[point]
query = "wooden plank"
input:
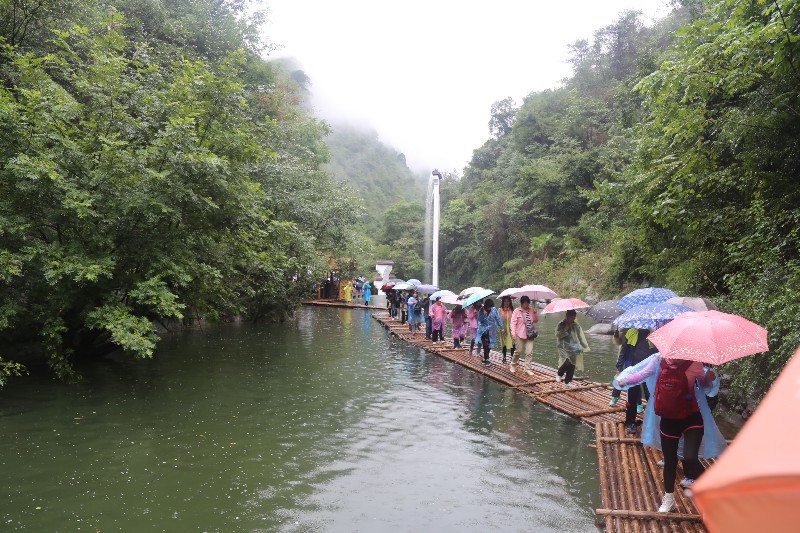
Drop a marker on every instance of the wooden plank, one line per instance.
(649, 515)
(575, 389)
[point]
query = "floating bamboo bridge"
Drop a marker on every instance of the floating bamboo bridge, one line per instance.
(631, 482)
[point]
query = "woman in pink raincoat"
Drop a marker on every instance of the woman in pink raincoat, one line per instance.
(438, 317)
(458, 320)
(472, 327)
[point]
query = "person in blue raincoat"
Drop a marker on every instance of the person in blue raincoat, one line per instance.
(414, 313)
(658, 432)
(367, 288)
(489, 323)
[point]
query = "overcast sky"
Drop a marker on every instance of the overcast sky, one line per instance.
(424, 74)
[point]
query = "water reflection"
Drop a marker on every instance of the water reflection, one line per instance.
(326, 423)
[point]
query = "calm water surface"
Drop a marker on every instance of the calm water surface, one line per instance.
(323, 424)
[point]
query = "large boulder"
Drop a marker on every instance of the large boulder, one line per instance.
(601, 329)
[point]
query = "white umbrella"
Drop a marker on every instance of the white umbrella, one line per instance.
(534, 292)
(474, 297)
(470, 290)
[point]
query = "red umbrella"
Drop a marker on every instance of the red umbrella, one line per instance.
(564, 304)
(755, 484)
(387, 286)
(709, 337)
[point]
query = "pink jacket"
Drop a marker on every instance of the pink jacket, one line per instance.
(438, 314)
(472, 315)
(518, 329)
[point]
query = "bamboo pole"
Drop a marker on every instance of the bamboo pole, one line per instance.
(606, 410)
(605, 495)
(645, 483)
(630, 493)
(657, 474)
(628, 440)
(536, 382)
(649, 515)
(575, 389)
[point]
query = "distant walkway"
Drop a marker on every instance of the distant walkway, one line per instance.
(339, 303)
(631, 483)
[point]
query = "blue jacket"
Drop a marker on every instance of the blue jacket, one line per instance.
(491, 323)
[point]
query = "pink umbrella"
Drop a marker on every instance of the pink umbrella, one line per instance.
(565, 304)
(710, 337)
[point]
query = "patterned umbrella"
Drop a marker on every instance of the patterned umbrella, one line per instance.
(697, 304)
(649, 316)
(710, 337)
(650, 295)
(427, 289)
(605, 311)
(564, 304)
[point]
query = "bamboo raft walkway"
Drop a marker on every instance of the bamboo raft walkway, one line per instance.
(339, 303)
(631, 482)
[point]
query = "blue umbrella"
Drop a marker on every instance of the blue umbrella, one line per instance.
(414, 281)
(649, 316)
(475, 297)
(427, 289)
(650, 295)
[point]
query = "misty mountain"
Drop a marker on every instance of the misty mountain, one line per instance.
(377, 171)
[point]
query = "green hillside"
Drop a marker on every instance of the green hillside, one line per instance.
(377, 172)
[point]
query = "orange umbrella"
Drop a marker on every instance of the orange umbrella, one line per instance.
(755, 484)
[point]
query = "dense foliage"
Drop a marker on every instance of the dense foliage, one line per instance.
(669, 157)
(153, 169)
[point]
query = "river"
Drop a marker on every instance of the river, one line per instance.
(326, 423)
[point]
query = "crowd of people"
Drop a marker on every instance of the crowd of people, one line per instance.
(679, 394)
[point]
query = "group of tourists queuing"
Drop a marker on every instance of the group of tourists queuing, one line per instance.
(678, 420)
(356, 289)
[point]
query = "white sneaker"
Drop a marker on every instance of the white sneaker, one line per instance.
(512, 368)
(660, 463)
(687, 483)
(558, 378)
(668, 503)
(529, 371)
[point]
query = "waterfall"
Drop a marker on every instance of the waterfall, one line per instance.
(428, 247)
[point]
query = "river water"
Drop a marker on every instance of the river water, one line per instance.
(326, 423)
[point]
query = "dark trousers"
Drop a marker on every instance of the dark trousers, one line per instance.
(428, 326)
(472, 346)
(634, 399)
(456, 342)
(568, 369)
(438, 335)
(692, 437)
(486, 346)
(505, 350)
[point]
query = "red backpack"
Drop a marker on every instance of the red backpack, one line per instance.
(673, 397)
